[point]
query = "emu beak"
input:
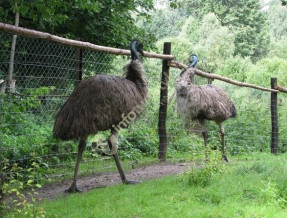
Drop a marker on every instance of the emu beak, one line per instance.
(140, 49)
(141, 52)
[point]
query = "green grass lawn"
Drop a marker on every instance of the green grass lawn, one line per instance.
(250, 186)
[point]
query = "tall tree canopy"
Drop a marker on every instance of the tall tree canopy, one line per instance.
(277, 18)
(102, 22)
(165, 22)
(244, 18)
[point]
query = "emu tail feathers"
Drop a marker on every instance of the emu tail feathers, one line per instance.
(71, 124)
(62, 127)
(233, 111)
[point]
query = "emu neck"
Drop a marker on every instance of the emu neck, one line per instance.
(187, 76)
(135, 72)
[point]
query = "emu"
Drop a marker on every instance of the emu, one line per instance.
(102, 103)
(204, 102)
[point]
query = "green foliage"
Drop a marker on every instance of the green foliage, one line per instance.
(203, 175)
(181, 47)
(277, 19)
(245, 20)
(109, 23)
(267, 68)
(235, 68)
(165, 23)
(24, 129)
(250, 130)
(215, 43)
(138, 142)
(212, 42)
(278, 48)
(15, 182)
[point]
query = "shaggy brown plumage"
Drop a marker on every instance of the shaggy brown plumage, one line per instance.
(98, 103)
(205, 102)
(101, 103)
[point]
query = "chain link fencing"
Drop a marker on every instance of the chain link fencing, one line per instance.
(46, 74)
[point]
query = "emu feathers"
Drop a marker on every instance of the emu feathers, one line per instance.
(202, 102)
(98, 102)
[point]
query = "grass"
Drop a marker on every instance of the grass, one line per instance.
(251, 186)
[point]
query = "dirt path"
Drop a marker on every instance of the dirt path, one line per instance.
(101, 180)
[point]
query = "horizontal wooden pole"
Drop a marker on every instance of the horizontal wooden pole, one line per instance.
(69, 42)
(280, 88)
(179, 65)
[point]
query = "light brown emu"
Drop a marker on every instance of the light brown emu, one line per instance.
(102, 103)
(204, 102)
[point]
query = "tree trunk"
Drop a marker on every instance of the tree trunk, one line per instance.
(10, 84)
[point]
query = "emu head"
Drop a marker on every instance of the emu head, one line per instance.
(135, 47)
(193, 60)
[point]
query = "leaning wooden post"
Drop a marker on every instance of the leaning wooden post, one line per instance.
(163, 105)
(274, 118)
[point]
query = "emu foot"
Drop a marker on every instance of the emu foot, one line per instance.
(128, 182)
(73, 190)
(224, 158)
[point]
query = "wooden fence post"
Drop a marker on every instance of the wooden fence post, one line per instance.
(163, 105)
(274, 119)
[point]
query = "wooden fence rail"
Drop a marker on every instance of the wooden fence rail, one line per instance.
(275, 89)
(69, 42)
(87, 45)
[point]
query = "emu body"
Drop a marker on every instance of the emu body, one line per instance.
(99, 103)
(205, 102)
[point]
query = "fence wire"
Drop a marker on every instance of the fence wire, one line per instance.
(46, 74)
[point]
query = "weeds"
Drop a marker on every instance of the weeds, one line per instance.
(201, 176)
(14, 198)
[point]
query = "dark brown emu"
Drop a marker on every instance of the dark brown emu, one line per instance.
(204, 102)
(102, 103)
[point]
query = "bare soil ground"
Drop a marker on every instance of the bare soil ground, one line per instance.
(101, 180)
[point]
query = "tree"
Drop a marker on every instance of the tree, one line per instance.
(243, 17)
(110, 23)
(277, 18)
(215, 43)
(166, 22)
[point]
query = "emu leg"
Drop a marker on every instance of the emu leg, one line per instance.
(224, 157)
(82, 144)
(205, 135)
(116, 157)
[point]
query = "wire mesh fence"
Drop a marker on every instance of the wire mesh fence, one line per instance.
(46, 73)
